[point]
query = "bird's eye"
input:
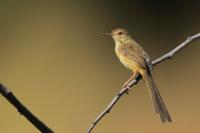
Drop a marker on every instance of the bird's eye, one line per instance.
(120, 33)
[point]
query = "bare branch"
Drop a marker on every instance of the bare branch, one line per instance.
(23, 110)
(166, 56)
(170, 54)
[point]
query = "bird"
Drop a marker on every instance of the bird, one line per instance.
(135, 58)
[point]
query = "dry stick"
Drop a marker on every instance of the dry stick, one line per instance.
(23, 110)
(166, 56)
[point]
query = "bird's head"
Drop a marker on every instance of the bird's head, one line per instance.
(119, 34)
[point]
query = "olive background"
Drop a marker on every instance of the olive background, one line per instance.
(55, 59)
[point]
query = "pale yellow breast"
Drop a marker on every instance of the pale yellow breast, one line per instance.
(127, 62)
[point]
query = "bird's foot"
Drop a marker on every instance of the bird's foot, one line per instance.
(127, 89)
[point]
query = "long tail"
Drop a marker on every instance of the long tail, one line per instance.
(157, 99)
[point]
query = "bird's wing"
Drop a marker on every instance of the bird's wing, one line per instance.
(148, 60)
(136, 54)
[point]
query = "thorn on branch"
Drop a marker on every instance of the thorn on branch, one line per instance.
(119, 94)
(170, 57)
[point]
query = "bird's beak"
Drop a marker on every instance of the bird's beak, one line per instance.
(108, 34)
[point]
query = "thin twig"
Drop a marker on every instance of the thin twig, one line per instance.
(166, 56)
(23, 110)
(170, 54)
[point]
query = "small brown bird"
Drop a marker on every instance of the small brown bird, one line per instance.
(134, 57)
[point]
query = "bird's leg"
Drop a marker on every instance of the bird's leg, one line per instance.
(125, 86)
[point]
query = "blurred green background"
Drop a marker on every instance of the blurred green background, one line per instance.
(56, 61)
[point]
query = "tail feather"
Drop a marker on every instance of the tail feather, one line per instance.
(157, 99)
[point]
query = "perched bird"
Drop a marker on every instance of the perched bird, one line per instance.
(134, 57)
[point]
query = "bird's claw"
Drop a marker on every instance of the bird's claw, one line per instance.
(127, 88)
